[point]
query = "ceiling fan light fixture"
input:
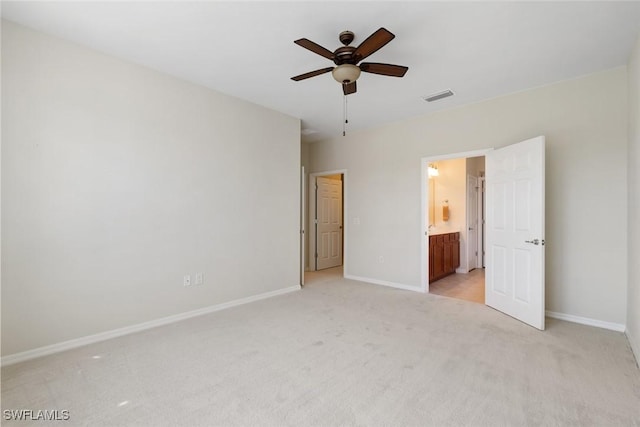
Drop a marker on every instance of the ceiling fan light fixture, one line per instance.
(346, 73)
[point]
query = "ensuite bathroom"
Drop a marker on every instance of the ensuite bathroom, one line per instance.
(455, 213)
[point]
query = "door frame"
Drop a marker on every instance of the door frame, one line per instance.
(312, 214)
(481, 220)
(303, 228)
(424, 211)
(467, 224)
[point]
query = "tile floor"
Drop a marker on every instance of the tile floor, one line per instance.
(469, 287)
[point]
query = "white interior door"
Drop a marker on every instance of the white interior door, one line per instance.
(329, 223)
(472, 222)
(515, 231)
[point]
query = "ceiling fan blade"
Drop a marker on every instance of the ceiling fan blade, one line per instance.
(384, 69)
(349, 88)
(315, 48)
(372, 43)
(311, 74)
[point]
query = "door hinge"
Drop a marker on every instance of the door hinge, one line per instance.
(316, 255)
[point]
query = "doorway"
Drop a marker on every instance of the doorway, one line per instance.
(327, 206)
(514, 238)
(454, 213)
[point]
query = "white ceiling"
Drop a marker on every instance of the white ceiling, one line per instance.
(480, 50)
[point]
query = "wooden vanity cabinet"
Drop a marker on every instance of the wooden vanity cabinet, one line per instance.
(444, 255)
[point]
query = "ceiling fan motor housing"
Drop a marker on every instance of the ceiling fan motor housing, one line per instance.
(344, 55)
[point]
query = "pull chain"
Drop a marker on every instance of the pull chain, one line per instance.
(345, 118)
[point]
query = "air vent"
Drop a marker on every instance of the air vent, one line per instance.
(308, 131)
(437, 96)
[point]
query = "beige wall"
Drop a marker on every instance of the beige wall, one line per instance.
(633, 294)
(306, 163)
(585, 124)
(118, 180)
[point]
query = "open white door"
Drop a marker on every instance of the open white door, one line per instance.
(514, 277)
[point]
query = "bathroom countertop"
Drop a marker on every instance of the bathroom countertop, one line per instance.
(439, 232)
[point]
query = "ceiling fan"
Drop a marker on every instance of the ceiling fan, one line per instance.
(346, 58)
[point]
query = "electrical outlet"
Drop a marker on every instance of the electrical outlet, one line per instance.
(186, 280)
(199, 278)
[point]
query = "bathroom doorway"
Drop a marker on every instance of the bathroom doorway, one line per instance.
(455, 216)
(514, 228)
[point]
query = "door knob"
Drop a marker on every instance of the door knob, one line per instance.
(534, 241)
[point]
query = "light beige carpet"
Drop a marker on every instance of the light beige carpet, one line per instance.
(340, 353)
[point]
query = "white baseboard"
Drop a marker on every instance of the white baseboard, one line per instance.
(635, 347)
(618, 327)
(384, 283)
(103, 336)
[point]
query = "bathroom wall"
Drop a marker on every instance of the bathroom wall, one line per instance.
(451, 186)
